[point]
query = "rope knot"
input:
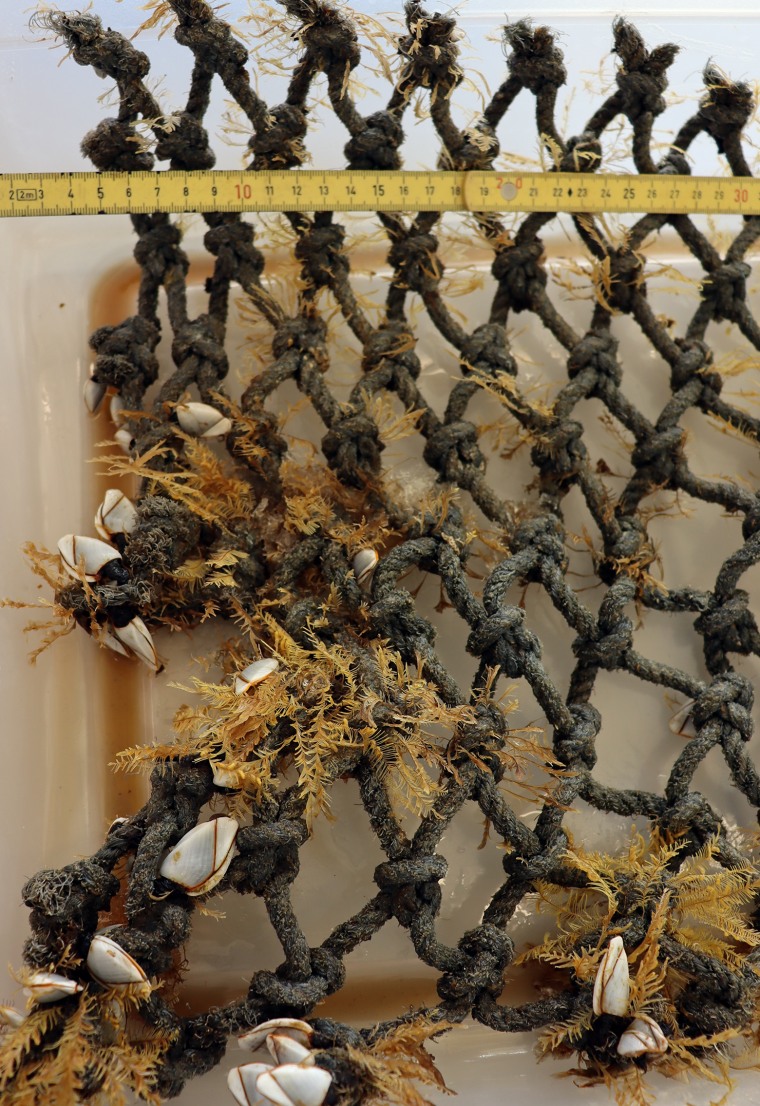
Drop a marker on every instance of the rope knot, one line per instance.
(488, 952)
(232, 244)
(376, 146)
(352, 445)
(124, 354)
(430, 53)
(520, 274)
(530, 867)
(412, 882)
(559, 453)
(485, 351)
(674, 164)
(725, 108)
(726, 288)
(502, 640)
(280, 145)
(304, 334)
(452, 447)
(660, 454)
(535, 61)
(596, 353)
(728, 627)
(609, 646)
(158, 249)
(115, 145)
(692, 361)
(186, 145)
(391, 348)
(416, 262)
(543, 534)
(583, 154)
(395, 616)
(626, 276)
(730, 697)
(330, 40)
(479, 148)
(643, 79)
(319, 250)
(691, 815)
(202, 339)
(578, 743)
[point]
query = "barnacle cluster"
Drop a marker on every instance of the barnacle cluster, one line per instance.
(691, 970)
(325, 667)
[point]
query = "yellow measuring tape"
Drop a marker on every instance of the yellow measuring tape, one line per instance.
(92, 193)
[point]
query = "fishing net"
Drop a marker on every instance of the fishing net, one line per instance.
(278, 545)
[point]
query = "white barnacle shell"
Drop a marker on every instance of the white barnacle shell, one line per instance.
(109, 964)
(364, 564)
(294, 1085)
(203, 420)
(285, 1050)
(94, 393)
(682, 721)
(49, 987)
(12, 1017)
(200, 859)
(113, 643)
(136, 637)
(116, 409)
(92, 553)
(612, 984)
(298, 1031)
(255, 673)
(223, 777)
(124, 440)
(642, 1036)
(242, 1084)
(117, 514)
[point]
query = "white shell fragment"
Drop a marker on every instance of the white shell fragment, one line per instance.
(203, 420)
(49, 987)
(612, 984)
(109, 964)
(92, 553)
(681, 722)
(364, 564)
(117, 514)
(293, 1085)
(254, 674)
(298, 1031)
(124, 440)
(242, 1084)
(284, 1050)
(136, 637)
(200, 859)
(642, 1036)
(94, 393)
(12, 1017)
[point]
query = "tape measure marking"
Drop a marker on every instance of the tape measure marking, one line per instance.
(91, 193)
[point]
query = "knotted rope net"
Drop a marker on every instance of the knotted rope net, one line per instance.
(262, 536)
